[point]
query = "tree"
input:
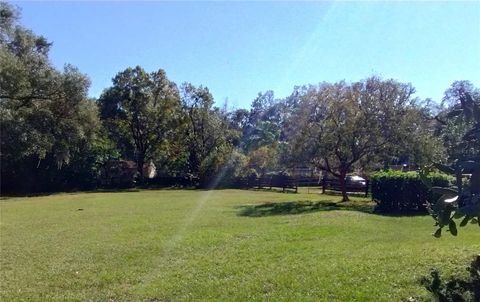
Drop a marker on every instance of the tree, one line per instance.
(237, 121)
(463, 200)
(452, 128)
(263, 134)
(47, 120)
(263, 159)
(420, 145)
(338, 125)
(260, 107)
(142, 112)
(264, 123)
(209, 137)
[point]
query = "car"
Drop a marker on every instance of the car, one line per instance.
(355, 180)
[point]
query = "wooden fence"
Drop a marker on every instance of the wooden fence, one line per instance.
(334, 185)
(269, 181)
(274, 181)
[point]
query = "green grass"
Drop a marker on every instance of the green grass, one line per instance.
(224, 245)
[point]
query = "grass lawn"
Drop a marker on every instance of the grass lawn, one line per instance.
(224, 245)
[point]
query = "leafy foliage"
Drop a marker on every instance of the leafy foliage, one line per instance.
(405, 192)
(463, 200)
(209, 139)
(263, 159)
(338, 126)
(143, 111)
(47, 120)
(54, 136)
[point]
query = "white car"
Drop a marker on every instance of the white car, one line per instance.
(355, 179)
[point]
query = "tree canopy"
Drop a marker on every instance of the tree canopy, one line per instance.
(54, 137)
(209, 138)
(143, 112)
(339, 125)
(47, 117)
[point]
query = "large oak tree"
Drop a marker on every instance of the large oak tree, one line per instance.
(47, 120)
(142, 112)
(338, 125)
(209, 135)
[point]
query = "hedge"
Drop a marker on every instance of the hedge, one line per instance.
(404, 192)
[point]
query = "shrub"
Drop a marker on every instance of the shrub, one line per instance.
(404, 192)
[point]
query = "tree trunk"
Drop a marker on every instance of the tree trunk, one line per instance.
(343, 185)
(140, 163)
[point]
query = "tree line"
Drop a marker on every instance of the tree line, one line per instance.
(55, 137)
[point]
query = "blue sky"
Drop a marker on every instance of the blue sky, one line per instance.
(240, 48)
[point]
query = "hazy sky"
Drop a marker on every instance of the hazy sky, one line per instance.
(240, 48)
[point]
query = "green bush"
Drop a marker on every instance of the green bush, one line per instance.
(405, 192)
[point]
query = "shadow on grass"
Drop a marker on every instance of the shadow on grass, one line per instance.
(9, 196)
(73, 192)
(307, 206)
(273, 189)
(302, 207)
